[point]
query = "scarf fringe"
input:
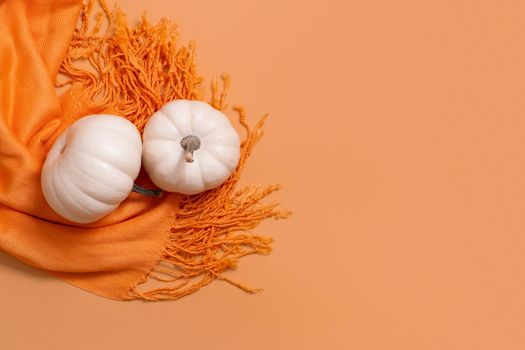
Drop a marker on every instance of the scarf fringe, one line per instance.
(133, 72)
(211, 232)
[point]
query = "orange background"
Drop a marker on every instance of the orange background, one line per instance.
(397, 130)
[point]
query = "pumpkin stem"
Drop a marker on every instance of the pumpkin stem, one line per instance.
(145, 192)
(190, 144)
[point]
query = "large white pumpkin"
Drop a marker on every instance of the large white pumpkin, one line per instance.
(189, 147)
(91, 167)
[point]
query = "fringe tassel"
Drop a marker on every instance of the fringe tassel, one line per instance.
(134, 71)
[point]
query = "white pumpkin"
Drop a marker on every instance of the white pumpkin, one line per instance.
(189, 147)
(91, 167)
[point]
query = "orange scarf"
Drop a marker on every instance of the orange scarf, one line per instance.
(148, 249)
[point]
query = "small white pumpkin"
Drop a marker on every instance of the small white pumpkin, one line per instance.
(91, 167)
(189, 147)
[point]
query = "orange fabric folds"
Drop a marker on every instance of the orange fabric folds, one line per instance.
(176, 244)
